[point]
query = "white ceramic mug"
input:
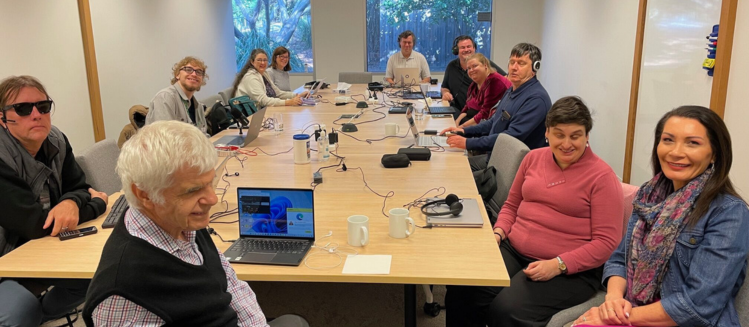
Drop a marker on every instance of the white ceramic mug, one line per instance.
(358, 230)
(392, 129)
(401, 225)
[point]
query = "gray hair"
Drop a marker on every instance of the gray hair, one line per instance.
(151, 157)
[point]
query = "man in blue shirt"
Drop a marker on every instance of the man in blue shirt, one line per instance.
(520, 114)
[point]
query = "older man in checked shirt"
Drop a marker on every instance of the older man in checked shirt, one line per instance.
(160, 267)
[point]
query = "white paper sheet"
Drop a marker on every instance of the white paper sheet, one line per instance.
(367, 264)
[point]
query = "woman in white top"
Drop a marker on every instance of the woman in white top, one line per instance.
(280, 67)
(253, 81)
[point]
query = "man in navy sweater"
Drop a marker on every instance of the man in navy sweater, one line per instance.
(521, 113)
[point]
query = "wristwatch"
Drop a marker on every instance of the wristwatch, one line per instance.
(562, 265)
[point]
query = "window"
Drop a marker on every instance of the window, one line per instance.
(435, 23)
(268, 24)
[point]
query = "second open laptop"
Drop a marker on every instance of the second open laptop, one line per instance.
(276, 226)
(256, 124)
(424, 140)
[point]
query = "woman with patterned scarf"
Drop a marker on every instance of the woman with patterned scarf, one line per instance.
(684, 256)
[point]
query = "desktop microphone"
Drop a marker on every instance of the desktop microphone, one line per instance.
(239, 117)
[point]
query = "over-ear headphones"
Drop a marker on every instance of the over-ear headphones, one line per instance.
(450, 200)
(456, 51)
(536, 66)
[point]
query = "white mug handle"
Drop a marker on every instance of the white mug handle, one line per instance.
(412, 228)
(365, 239)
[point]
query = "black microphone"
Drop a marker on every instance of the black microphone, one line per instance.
(238, 116)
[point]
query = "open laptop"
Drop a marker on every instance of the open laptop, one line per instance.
(276, 226)
(424, 140)
(315, 88)
(469, 217)
(437, 110)
(407, 76)
(256, 124)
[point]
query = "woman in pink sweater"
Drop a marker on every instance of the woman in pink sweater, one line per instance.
(559, 225)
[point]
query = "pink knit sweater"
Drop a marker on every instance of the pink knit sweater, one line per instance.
(575, 213)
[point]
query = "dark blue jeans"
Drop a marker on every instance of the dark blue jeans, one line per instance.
(20, 307)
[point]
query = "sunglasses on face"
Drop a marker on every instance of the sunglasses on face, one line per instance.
(25, 108)
(189, 71)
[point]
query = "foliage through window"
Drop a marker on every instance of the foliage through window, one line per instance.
(268, 24)
(435, 23)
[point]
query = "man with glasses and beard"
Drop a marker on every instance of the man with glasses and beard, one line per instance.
(43, 192)
(177, 102)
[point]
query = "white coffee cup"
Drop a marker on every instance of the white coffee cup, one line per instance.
(400, 222)
(424, 88)
(392, 129)
(358, 230)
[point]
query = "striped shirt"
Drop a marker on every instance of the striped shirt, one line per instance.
(118, 311)
(415, 60)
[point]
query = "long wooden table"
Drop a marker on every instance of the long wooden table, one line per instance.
(443, 256)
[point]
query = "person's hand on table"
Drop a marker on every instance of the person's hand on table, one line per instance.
(615, 311)
(456, 141)
(543, 270)
(447, 96)
(100, 195)
(591, 317)
(64, 216)
(295, 101)
(451, 129)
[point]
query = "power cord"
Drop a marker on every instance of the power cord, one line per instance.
(420, 201)
(214, 232)
(329, 249)
(385, 197)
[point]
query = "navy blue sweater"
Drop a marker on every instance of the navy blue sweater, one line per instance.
(527, 107)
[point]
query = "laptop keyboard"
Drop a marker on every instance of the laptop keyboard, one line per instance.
(245, 245)
(430, 140)
(441, 110)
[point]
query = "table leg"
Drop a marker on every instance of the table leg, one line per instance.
(409, 296)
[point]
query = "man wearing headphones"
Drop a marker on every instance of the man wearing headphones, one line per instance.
(407, 58)
(456, 81)
(521, 112)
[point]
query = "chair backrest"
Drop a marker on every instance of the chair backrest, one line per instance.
(210, 101)
(355, 77)
(226, 95)
(507, 154)
(629, 192)
(98, 163)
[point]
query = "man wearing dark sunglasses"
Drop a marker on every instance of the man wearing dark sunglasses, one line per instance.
(43, 192)
(177, 102)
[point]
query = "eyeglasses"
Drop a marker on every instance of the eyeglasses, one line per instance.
(261, 60)
(25, 108)
(190, 70)
(283, 57)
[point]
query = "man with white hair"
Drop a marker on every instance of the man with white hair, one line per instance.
(160, 265)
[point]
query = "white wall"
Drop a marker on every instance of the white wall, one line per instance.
(736, 115)
(43, 39)
(672, 74)
(591, 56)
(514, 22)
(138, 42)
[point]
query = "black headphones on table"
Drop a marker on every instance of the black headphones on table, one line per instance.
(450, 200)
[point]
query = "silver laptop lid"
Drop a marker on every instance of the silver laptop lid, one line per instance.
(220, 170)
(406, 76)
(412, 124)
(255, 125)
(469, 217)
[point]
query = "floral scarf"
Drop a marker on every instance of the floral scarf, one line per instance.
(662, 216)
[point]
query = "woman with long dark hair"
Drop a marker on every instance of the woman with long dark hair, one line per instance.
(253, 80)
(684, 256)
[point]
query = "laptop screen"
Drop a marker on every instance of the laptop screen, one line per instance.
(272, 212)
